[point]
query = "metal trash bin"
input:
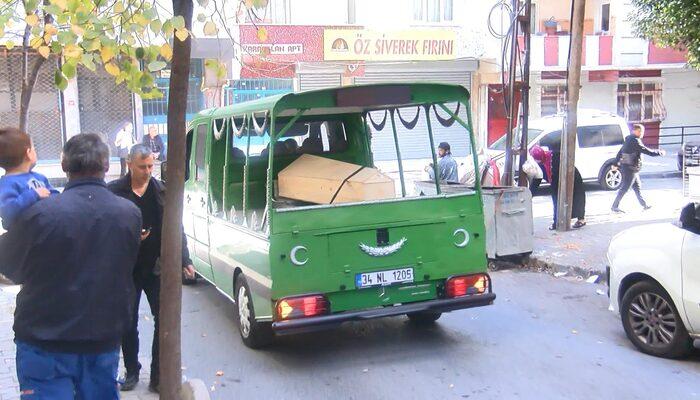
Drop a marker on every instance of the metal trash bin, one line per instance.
(693, 174)
(508, 219)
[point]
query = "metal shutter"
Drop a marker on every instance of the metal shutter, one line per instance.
(104, 106)
(415, 144)
(45, 117)
(318, 81)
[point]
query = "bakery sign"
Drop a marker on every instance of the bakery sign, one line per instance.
(404, 45)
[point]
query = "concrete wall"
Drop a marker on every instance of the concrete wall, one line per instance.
(681, 96)
(599, 96)
(314, 12)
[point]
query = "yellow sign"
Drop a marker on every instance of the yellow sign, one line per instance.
(406, 45)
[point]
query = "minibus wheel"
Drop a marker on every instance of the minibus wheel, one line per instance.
(423, 317)
(253, 333)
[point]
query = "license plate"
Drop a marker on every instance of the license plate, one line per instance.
(384, 278)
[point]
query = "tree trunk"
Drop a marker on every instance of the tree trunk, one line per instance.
(171, 245)
(29, 76)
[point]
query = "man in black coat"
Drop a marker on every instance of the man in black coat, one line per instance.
(629, 160)
(148, 193)
(73, 253)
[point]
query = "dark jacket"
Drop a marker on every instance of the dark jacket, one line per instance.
(74, 254)
(122, 188)
(156, 145)
(630, 154)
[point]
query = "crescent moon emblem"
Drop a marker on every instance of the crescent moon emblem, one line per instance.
(293, 256)
(466, 237)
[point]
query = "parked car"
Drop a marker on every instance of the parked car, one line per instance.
(600, 135)
(654, 284)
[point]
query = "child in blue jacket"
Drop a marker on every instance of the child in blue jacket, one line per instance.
(20, 187)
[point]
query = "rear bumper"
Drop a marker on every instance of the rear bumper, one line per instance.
(334, 320)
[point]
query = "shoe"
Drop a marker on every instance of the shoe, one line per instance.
(647, 207)
(129, 382)
(617, 210)
(153, 387)
(579, 224)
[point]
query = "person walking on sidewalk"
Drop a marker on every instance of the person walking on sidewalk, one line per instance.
(148, 194)
(73, 254)
(123, 143)
(629, 161)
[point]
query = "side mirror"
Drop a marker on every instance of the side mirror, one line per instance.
(690, 217)
(163, 170)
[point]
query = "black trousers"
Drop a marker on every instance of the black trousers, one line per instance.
(130, 343)
(630, 178)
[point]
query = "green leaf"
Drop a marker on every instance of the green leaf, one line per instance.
(67, 37)
(203, 3)
(88, 61)
(156, 66)
(60, 81)
(68, 70)
(53, 9)
(201, 17)
(156, 25)
(140, 53)
(178, 22)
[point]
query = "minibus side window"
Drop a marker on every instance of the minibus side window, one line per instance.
(188, 154)
(200, 152)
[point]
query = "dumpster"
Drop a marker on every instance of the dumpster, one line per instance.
(508, 219)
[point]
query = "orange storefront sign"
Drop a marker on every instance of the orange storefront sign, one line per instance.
(406, 45)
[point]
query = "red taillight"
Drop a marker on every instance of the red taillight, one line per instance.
(466, 285)
(302, 307)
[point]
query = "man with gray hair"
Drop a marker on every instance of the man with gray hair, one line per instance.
(73, 254)
(148, 194)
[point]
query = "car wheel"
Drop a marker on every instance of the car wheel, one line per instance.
(610, 179)
(253, 333)
(652, 322)
(423, 317)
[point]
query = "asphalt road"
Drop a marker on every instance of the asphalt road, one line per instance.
(545, 338)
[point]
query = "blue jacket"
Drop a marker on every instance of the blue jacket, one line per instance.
(17, 193)
(74, 255)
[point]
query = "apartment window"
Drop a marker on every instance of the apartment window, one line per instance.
(552, 99)
(605, 18)
(640, 102)
(432, 10)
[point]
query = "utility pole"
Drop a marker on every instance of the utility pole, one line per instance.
(512, 110)
(568, 141)
(527, 30)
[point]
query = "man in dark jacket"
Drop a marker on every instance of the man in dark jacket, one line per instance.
(73, 254)
(629, 160)
(148, 193)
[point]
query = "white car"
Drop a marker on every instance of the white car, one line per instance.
(654, 284)
(600, 136)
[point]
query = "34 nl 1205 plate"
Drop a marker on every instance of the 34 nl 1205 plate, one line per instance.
(384, 278)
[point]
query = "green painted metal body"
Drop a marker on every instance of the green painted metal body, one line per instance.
(222, 249)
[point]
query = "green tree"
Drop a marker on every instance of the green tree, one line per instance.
(670, 23)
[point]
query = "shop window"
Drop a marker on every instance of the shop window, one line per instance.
(640, 102)
(552, 99)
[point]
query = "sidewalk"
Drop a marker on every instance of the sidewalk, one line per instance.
(9, 388)
(581, 253)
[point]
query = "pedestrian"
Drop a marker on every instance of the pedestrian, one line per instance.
(148, 194)
(447, 166)
(73, 254)
(629, 161)
(123, 142)
(20, 187)
(155, 142)
(578, 208)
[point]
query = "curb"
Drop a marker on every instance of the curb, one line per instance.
(662, 175)
(195, 389)
(533, 263)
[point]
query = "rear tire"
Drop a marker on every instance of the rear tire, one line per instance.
(423, 317)
(609, 179)
(254, 334)
(652, 322)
